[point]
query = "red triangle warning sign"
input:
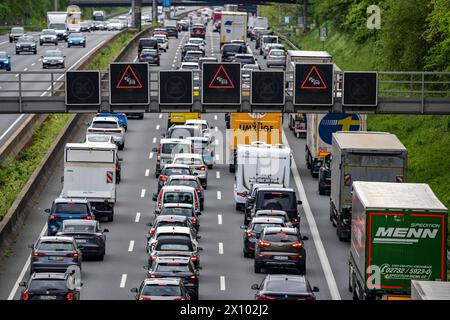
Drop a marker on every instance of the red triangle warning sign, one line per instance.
(129, 80)
(313, 80)
(221, 80)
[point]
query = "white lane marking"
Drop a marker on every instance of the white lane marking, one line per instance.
(218, 174)
(12, 126)
(219, 219)
(216, 142)
(154, 140)
(331, 281)
(123, 280)
(157, 127)
(219, 195)
(33, 64)
(138, 217)
(24, 269)
(160, 115)
(147, 172)
(135, 59)
(17, 75)
(222, 283)
(131, 246)
(26, 69)
(142, 193)
(39, 59)
(220, 248)
(150, 155)
(215, 117)
(216, 129)
(217, 157)
(3, 42)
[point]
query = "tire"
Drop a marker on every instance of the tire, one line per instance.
(122, 146)
(68, 46)
(63, 66)
(141, 116)
(321, 191)
(238, 207)
(17, 52)
(210, 166)
(257, 268)
(232, 168)
(10, 40)
(40, 43)
(84, 46)
(101, 257)
(35, 52)
(111, 218)
(338, 232)
(246, 254)
(302, 270)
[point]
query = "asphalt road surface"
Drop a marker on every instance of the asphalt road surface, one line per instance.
(226, 274)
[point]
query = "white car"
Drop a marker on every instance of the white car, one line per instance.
(163, 42)
(176, 194)
(110, 126)
(204, 147)
(114, 24)
(201, 42)
(196, 164)
(190, 66)
(170, 231)
(200, 122)
(271, 46)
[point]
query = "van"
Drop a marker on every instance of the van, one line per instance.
(167, 149)
(148, 43)
(184, 131)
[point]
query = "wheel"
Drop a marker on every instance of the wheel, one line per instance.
(308, 164)
(246, 254)
(210, 166)
(202, 206)
(338, 232)
(10, 40)
(302, 269)
(265, 57)
(321, 191)
(122, 146)
(56, 43)
(238, 207)
(44, 66)
(40, 43)
(84, 45)
(68, 46)
(110, 218)
(35, 52)
(17, 52)
(101, 257)
(257, 268)
(232, 168)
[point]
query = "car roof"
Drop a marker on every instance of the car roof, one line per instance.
(178, 188)
(200, 121)
(194, 51)
(188, 155)
(280, 229)
(79, 222)
(265, 211)
(177, 205)
(49, 275)
(56, 238)
(174, 258)
(174, 140)
(267, 185)
(276, 189)
(267, 220)
(171, 217)
(168, 281)
(71, 200)
(288, 277)
(108, 118)
(243, 55)
(173, 229)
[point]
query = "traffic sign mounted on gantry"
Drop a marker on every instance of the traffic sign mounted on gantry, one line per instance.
(360, 89)
(175, 88)
(267, 88)
(129, 84)
(313, 84)
(83, 88)
(221, 83)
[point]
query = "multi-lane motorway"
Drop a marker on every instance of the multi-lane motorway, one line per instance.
(226, 274)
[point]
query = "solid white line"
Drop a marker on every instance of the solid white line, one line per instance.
(220, 248)
(331, 281)
(11, 126)
(147, 172)
(216, 142)
(154, 140)
(131, 246)
(150, 155)
(17, 74)
(157, 127)
(219, 219)
(138, 216)
(222, 283)
(123, 281)
(219, 195)
(142, 193)
(3, 42)
(24, 269)
(218, 174)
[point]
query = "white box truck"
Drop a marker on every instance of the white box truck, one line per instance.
(89, 173)
(57, 20)
(430, 290)
(234, 27)
(260, 163)
(361, 156)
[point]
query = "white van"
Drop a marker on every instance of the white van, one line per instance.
(167, 150)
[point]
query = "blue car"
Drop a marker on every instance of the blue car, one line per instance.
(122, 117)
(76, 39)
(5, 61)
(65, 209)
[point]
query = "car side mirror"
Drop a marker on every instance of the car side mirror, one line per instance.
(155, 196)
(315, 289)
(62, 179)
(105, 230)
(64, 56)
(195, 173)
(305, 238)
(134, 290)
(81, 284)
(199, 267)
(299, 202)
(47, 210)
(255, 286)
(23, 284)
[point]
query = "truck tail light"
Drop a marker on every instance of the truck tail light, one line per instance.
(201, 168)
(194, 258)
(264, 244)
(198, 190)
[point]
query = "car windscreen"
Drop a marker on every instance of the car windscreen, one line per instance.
(191, 48)
(173, 247)
(280, 237)
(17, 30)
(172, 267)
(186, 212)
(50, 32)
(258, 227)
(48, 284)
(55, 246)
(270, 40)
(148, 43)
(277, 53)
(176, 171)
(178, 197)
(70, 208)
(276, 200)
(231, 48)
(81, 228)
(283, 217)
(161, 290)
(181, 133)
(185, 182)
(148, 53)
(172, 223)
(175, 148)
(104, 124)
(284, 286)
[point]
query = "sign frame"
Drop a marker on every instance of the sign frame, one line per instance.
(360, 105)
(148, 85)
(99, 88)
(159, 88)
(240, 84)
(295, 85)
(267, 71)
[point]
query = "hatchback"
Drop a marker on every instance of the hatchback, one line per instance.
(49, 286)
(284, 287)
(151, 56)
(161, 289)
(65, 209)
(253, 232)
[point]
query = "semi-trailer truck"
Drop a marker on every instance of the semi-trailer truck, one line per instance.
(361, 156)
(399, 234)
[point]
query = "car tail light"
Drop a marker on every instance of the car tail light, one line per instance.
(91, 130)
(194, 277)
(295, 257)
(249, 234)
(144, 298)
(162, 178)
(123, 115)
(201, 168)
(180, 298)
(264, 297)
(198, 190)
(86, 217)
(53, 217)
(39, 254)
(151, 231)
(264, 244)
(25, 295)
(194, 258)
(115, 130)
(70, 296)
(111, 204)
(296, 245)
(194, 221)
(72, 255)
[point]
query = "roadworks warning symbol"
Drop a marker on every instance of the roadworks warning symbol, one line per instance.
(129, 80)
(221, 80)
(313, 80)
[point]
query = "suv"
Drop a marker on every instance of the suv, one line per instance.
(108, 125)
(229, 50)
(190, 181)
(53, 58)
(167, 149)
(280, 247)
(50, 286)
(48, 36)
(26, 44)
(16, 33)
(151, 56)
(196, 164)
(253, 232)
(269, 198)
(148, 43)
(172, 31)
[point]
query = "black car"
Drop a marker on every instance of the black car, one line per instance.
(50, 286)
(26, 44)
(177, 267)
(151, 56)
(229, 50)
(253, 231)
(325, 176)
(90, 238)
(16, 33)
(148, 43)
(198, 32)
(244, 59)
(85, 27)
(284, 287)
(182, 209)
(172, 31)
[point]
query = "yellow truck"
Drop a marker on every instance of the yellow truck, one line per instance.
(180, 117)
(248, 127)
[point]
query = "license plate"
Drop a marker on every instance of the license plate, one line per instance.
(48, 297)
(55, 258)
(280, 258)
(81, 240)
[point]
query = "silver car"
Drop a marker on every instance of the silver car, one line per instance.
(108, 125)
(48, 36)
(276, 57)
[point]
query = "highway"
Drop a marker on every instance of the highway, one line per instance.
(226, 274)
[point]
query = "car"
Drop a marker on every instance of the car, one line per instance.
(200, 41)
(242, 43)
(284, 287)
(122, 117)
(254, 229)
(177, 267)
(99, 138)
(190, 181)
(169, 220)
(265, 40)
(189, 47)
(67, 208)
(193, 56)
(148, 43)
(276, 58)
(26, 43)
(85, 26)
(247, 72)
(176, 194)
(166, 150)
(114, 24)
(88, 234)
(276, 214)
(184, 23)
(162, 31)
(271, 46)
(254, 31)
(190, 66)
(76, 39)
(100, 25)
(229, 50)
(197, 165)
(181, 131)
(280, 248)
(49, 286)
(53, 58)
(48, 36)
(54, 254)
(16, 33)
(74, 28)
(151, 56)
(204, 147)
(198, 31)
(203, 60)
(161, 289)
(163, 42)
(172, 169)
(244, 58)
(172, 231)
(172, 31)
(108, 125)
(250, 197)
(5, 61)
(182, 209)
(200, 122)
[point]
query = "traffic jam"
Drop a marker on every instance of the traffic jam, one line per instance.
(376, 217)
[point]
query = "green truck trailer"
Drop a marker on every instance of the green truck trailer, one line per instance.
(398, 234)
